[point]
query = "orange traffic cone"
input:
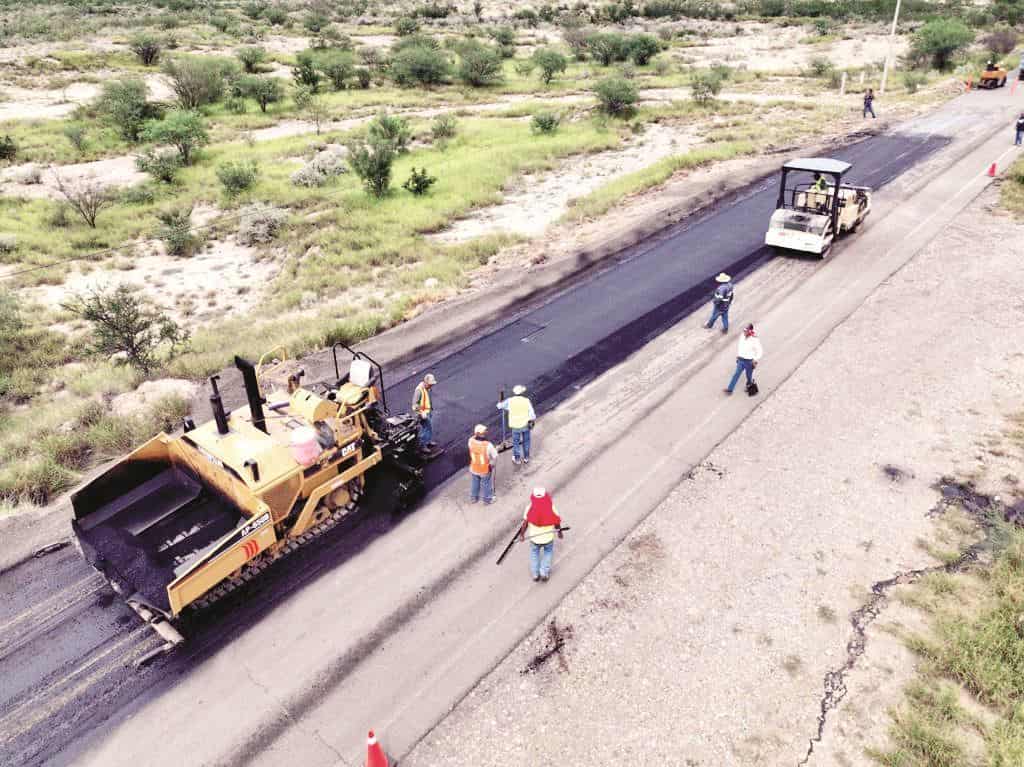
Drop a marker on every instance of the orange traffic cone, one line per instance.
(992, 170)
(375, 756)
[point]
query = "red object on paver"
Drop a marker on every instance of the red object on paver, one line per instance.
(992, 170)
(375, 756)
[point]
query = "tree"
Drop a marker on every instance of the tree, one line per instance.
(479, 65)
(8, 148)
(607, 47)
(123, 102)
(551, 62)
(705, 86)
(122, 324)
(87, 197)
(305, 72)
(938, 40)
(312, 106)
(265, 90)
(643, 48)
(196, 80)
(372, 161)
(616, 95)
(419, 65)
(251, 57)
(391, 130)
(146, 47)
(339, 67)
(161, 165)
(176, 230)
(184, 130)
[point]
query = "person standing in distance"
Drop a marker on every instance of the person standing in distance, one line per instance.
(521, 417)
(423, 408)
(748, 353)
(721, 300)
(1020, 129)
(540, 524)
(869, 102)
(482, 455)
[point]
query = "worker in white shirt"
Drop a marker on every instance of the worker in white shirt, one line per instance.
(521, 418)
(747, 356)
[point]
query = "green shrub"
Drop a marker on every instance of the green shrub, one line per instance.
(371, 161)
(912, 81)
(705, 87)
(339, 67)
(162, 165)
(391, 130)
(236, 105)
(406, 26)
(123, 103)
(260, 224)
(197, 80)
(8, 148)
(419, 65)
(616, 96)
(184, 130)
(251, 57)
(363, 77)
(643, 48)
(176, 231)
(524, 67)
(550, 62)
(821, 66)
(75, 133)
(822, 26)
(305, 72)
(1000, 42)
(545, 122)
(236, 176)
(479, 65)
(607, 47)
(254, 9)
(937, 41)
(419, 182)
(264, 90)
(444, 126)
(146, 47)
(276, 16)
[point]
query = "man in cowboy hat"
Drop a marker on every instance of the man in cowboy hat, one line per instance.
(747, 355)
(721, 300)
(482, 455)
(422, 406)
(540, 524)
(521, 418)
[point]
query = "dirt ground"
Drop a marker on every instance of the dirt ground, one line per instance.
(704, 639)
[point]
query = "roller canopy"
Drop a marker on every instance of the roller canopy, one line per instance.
(818, 165)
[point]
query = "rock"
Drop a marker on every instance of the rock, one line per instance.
(118, 358)
(430, 283)
(150, 392)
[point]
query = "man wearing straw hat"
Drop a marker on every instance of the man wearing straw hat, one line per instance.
(520, 420)
(721, 300)
(540, 525)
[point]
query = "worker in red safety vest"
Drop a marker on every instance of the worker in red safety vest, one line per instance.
(423, 408)
(540, 525)
(482, 455)
(521, 418)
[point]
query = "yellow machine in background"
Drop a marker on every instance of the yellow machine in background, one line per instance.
(183, 520)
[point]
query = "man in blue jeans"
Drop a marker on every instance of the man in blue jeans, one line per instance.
(1020, 129)
(747, 355)
(540, 524)
(482, 455)
(721, 300)
(520, 420)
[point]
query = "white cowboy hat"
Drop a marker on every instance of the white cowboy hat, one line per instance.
(479, 429)
(518, 389)
(539, 492)
(722, 277)
(429, 379)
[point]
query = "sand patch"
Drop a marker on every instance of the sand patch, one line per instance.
(112, 172)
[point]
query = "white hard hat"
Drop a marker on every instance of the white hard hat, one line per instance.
(722, 277)
(539, 492)
(479, 429)
(429, 379)
(518, 389)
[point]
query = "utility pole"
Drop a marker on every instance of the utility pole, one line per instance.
(888, 54)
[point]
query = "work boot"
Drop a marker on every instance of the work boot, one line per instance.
(728, 391)
(536, 578)
(724, 331)
(544, 578)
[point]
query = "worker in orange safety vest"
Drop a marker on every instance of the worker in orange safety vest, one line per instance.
(423, 408)
(482, 455)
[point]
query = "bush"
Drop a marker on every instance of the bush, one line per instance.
(254, 9)
(1000, 41)
(161, 165)
(322, 168)
(363, 77)
(524, 67)
(937, 41)
(643, 48)
(260, 224)
(418, 65)
(444, 126)
(821, 66)
(607, 47)
(545, 122)
(391, 130)
(551, 62)
(912, 81)
(176, 231)
(196, 80)
(616, 96)
(505, 37)
(339, 67)
(479, 65)
(86, 197)
(122, 324)
(705, 86)
(75, 133)
(184, 130)
(276, 16)
(526, 15)
(313, 107)
(124, 103)
(146, 47)
(406, 26)
(237, 175)
(305, 72)
(251, 57)
(419, 182)
(8, 244)
(372, 161)
(8, 148)
(264, 90)
(822, 26)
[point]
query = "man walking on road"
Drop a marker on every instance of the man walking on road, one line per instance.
(747, 355)
(422, 406)
(721, 300)
(520, 420)
(482, 455)
(540, 524)
(1020, 129)
(869, 101)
